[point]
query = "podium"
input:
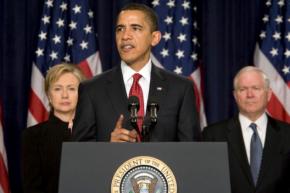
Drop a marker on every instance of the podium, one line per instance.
(183, 167)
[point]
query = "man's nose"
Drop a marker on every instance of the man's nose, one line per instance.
(250, 92)
(126, 34)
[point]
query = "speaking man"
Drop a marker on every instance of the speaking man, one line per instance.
(102, 111)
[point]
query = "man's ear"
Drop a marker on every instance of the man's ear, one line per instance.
(156, 37)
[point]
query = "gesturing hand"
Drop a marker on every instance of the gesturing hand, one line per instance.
(120, 134)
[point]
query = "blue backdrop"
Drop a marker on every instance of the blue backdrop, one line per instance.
(228, 33)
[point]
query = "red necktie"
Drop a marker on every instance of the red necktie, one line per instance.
(136, 90)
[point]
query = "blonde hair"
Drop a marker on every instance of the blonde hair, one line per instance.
(55, 72)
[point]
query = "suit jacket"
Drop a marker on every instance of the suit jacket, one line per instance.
(104, 98)
(41, 152)
(274, 171)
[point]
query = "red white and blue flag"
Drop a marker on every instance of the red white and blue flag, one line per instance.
(4, 181)
(179, 46)
(272, 55)
(66, 35)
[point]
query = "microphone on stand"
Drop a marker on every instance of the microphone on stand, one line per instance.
(152, 109)
(133, 107)
(149, 121)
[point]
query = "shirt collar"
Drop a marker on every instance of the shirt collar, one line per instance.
(261, 122)
(128, 72)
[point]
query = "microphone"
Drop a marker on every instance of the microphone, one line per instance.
(133, 107)
(150, 120)
(153, 108)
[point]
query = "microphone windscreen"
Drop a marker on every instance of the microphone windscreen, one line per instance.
(152, 104)
(133, 101)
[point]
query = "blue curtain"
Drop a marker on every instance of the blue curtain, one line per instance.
(18, 29)
(229, 32)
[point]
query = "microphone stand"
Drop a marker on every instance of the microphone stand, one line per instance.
(146, 127)
(149, 121)
(133, 107)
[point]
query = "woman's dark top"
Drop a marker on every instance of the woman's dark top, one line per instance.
(41, 153)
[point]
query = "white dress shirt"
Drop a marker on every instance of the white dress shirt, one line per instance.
(247, 132)
(144, 81)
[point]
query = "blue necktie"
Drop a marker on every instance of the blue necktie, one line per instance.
(256, 153)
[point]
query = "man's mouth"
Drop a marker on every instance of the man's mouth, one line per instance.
(127, 47)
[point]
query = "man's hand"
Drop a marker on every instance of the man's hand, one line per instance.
(123, 135)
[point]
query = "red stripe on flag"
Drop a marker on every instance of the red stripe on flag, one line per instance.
(3, 176)
(84, 66)
(4, 182)
(196, 92)
(36, 108)
(276, 109)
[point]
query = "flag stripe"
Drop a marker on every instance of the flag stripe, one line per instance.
(37, 85)
(272, 55)
(37, 109)
(280, 114)
(179, 47)
(66, 35)
(4, 180)
(86, 68)
(4, 183)
(30, 119)
(278, 86)
(196, 78)
(95, 64)
(38, 103)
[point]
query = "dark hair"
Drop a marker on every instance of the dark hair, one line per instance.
(149, 13)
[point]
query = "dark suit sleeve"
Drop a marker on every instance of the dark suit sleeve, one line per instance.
(188, 123)
(215, 132)
(84, 127)
(31, 163)
(206, 135)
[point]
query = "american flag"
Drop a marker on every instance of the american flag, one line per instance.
(4, 181)
(272, 55)
(66, 35)
(178, 48)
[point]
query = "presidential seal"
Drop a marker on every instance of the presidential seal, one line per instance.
(144, 174)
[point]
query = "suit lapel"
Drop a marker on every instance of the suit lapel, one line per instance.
(271, 146)
(158, 86)
(236, 142)
(116, 92)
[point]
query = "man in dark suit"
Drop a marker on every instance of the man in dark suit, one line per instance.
(102, 110)
(258, 145)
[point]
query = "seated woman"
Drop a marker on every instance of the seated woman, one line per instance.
(41, 144)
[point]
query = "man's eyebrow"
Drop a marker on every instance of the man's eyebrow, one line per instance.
(136, 25)
(120, 25)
